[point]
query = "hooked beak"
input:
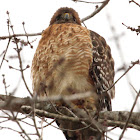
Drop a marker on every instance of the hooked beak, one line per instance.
(67, 16)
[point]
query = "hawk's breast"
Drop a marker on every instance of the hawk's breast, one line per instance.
(63, 59)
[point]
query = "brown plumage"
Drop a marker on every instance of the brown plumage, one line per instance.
(72, 59)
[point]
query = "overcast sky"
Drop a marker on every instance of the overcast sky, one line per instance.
(37, 13)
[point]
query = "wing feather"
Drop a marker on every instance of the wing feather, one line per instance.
(102, 70)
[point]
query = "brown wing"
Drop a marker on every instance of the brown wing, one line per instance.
(102, 70)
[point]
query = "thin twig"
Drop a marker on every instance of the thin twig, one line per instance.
(133, 29)
(96, 11)
(23, 131)
(8, 24)
(88, 2)
(5, 85)
(5, 52)
(42, 121)
(1, 127)
(23, 23)
(134, 2)
(34, 121)
(19, 57)
(130, 67)
(19, 35)
(21, 128)
(138, 94)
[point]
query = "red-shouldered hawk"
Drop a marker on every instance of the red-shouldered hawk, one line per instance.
(72, 59)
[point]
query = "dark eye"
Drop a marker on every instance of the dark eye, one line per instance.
(74, 19)
(58, 17)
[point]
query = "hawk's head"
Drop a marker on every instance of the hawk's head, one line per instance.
(65, 15)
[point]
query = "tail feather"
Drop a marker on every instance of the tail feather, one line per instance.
(74, 131)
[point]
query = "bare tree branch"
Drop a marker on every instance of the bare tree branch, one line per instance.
(44, 109)
(138, 94)
(96, 11)
(5, 52)
(113, 118)
(134, 2)
(130, 67)
(19, 35)
(133, 29)
(8, 24)
(88, 1)
(18, 50)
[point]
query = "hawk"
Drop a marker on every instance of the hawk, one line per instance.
(71, 59)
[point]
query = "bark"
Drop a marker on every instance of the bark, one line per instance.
(45, 109)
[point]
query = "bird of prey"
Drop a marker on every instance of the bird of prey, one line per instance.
(71, 59)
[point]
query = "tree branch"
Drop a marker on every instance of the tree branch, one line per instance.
(129, 68)
(19, 35)
(44, 109)
(134, 2)
(96, 11)
(126, 124)
(133, 29)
